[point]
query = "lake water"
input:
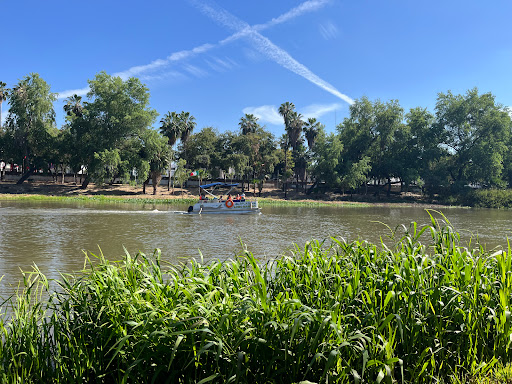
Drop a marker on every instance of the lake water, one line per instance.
(54, 235)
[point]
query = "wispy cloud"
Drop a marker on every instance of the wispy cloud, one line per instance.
(168, 75)
(221, 65)
(195, 71)
(266, 47)
(71, 92)
(265, 114)
(328, 30)
(270, 113)
(318, 110)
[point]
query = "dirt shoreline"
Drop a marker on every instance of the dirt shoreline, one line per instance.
(123, 191)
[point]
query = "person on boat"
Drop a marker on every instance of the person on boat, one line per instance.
(237, 197)
(242, 197)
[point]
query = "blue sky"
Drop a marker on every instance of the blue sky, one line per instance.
(219, 60)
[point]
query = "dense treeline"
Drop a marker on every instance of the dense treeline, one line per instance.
(465, 142)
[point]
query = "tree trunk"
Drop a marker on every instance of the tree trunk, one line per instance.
(156, 178)
(63, 174)
(144, 184)
(169, 179)
(389, 187)
(285, 169)
(25, 176)
(85, 182)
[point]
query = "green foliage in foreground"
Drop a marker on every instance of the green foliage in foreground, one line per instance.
(343, 312)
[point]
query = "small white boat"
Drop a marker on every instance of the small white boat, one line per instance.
(210, 203)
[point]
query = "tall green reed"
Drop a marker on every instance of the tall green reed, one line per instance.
(333, 311)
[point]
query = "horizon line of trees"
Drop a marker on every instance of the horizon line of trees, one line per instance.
(466, 141)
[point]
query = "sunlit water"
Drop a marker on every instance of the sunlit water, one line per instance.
(54, 236)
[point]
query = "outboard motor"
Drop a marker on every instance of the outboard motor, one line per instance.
(190, 209)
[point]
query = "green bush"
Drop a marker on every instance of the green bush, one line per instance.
(488, 198)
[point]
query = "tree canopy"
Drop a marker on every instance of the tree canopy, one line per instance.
(109, 135)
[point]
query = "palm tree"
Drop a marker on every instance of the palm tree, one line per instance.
(171, 127)
(3, 97)
(285, 110)
(188, 123)
(294, 129)
(74, 106)
(177, 126)
(311, 130)
(248, 124)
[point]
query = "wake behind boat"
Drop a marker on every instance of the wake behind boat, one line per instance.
(211, 203)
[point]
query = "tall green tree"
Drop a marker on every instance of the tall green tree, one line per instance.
(476, 133)
(327, 158)
(371, 131)
(118, 110)
(421, 150)
(200, 149)
(30, 125)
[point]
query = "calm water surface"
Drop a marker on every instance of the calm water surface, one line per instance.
(54, 236)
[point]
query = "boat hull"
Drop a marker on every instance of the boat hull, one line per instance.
(222, 207)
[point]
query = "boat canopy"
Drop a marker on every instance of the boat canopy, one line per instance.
(225, 185)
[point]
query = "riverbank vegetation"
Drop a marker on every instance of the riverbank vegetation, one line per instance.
(175, 201)
(427, 309)
(465, 144)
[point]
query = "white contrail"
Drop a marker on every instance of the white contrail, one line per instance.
(266, 47)
(306, 7)
(283, 58)
(242, 29)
